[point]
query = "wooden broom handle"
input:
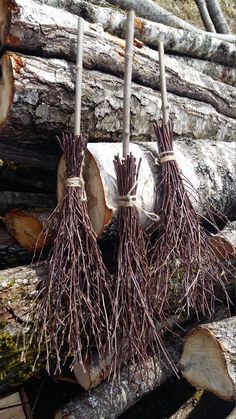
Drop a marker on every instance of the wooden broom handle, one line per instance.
(165, 107)
(79, 72)
(127, 82)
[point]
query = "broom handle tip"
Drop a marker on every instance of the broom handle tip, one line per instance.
(127, 82)
(79, 73)
(165, 107)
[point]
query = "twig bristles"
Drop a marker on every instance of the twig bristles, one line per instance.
(185, 268)
(71, 316)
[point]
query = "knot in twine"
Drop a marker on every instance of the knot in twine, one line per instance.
(126, 201)
(166, 156)
(75, 182)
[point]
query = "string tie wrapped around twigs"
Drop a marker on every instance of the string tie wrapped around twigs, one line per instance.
(166, 156)
(75, 182)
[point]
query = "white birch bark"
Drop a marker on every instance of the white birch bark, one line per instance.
(40, 99)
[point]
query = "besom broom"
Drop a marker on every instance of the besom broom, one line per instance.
(71, 317)
(185, 268)
(134, 330)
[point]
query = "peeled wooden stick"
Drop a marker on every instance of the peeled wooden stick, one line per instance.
(208, 360)
(165, 107)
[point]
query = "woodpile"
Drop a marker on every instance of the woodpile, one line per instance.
(37, 82)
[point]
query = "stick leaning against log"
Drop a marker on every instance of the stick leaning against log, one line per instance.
(71, 312)
(183, 261)
(134, 328)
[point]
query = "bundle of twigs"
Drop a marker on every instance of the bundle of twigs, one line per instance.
(185, 268)
(134, 330)
(72, 307)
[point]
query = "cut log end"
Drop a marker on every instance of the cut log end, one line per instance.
(99, 213)
(203, 364)
(6, 87)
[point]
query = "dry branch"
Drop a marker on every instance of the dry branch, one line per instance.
(217, 16)
(208, 358)
(201, 4)
(43, 105)
(31, 34)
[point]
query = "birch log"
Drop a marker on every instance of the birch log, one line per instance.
(33, 24)
(217, 16)
(216, 71)
(213, 177)
(113, 21)
(206, 18)
(43, 105)
(209, 358)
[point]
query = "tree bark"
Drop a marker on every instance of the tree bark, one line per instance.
(4, 21)
(217, 16)
(184, 410)
(27, 200)
(206, 18)
(181, 80)
(152, 11)
(216, 71)
(43, 106)
(98, 403)
(32, 155)
(11, 253)
(208, 358)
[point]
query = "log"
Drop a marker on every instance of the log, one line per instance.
(213, 178)
(217, 16)
(186, 409)
(30, 34)
(208, 358)
(109, 401)
(4, 21)
(216, 71)
(132, 386)
(25, 200)
(206, 18)
(224, 243)
(30, 155)
(11, 253)
(152, 11)
(195, 44)
(43, 105)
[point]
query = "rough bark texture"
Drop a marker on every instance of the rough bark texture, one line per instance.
(10, 200)
(181, 80)
(11, 254)
(217, 16)
(196, 44)
(43, 106)
(209, 355)
(28, 154)
(98, 403)
(216, 71)
(4, 21)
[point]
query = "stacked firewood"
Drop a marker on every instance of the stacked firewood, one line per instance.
(37, 78)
